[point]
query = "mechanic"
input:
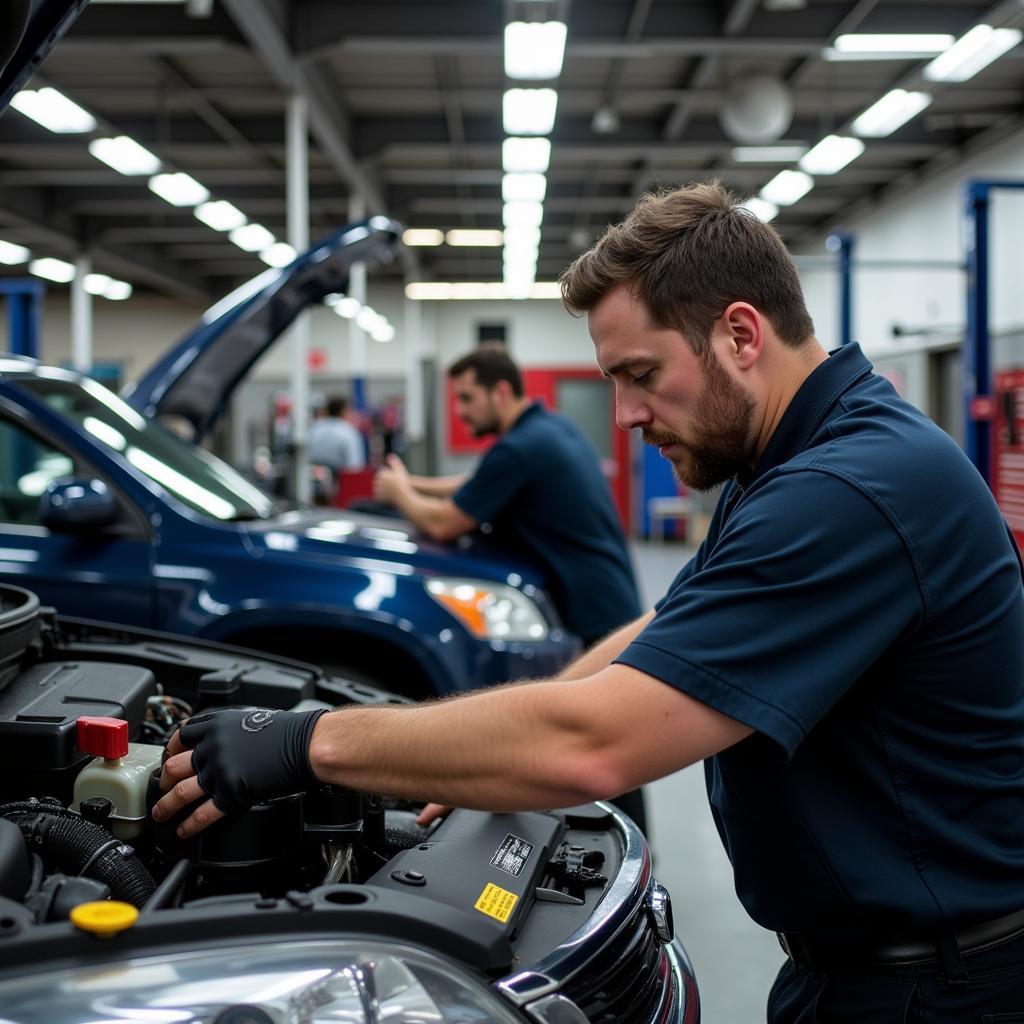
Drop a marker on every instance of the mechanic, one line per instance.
(541, 489)
(334, 441)
(844, 650)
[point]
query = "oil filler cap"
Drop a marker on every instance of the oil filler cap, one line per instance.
(102, 737)
(104, 918)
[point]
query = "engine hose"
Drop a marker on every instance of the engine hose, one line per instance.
(74, 846)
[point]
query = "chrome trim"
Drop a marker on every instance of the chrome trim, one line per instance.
(628, 888)
(659, 907)
(673, 1007)
(556, 1010)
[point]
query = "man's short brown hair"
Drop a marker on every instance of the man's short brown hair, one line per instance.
(688, 254)
(490, 364)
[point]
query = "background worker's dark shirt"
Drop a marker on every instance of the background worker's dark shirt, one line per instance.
(858, 602)
(540, 487)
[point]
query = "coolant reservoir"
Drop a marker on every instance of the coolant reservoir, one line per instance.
(119, 772)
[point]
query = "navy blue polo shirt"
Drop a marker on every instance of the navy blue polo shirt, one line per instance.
(540, 486)
(858, 603)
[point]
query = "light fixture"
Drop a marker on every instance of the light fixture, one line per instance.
(482, 237)
(761, 208)
(179, 189)
(53, 110)
(280, 254)
(524, 237)
(440, 291)
(367, 318)
(529, 111)
(523, 185)
(422, 236)
(117, 291)
(252, 237)
(383, 332)
(220, 215)
(124, 155)
(972, 52)
(52, 269)
(522, 214)
(347, 307)
(787, 187)
(534, 49)
(767, 154)
(832, 154)
(97, 284)
(894, 109)
(11, 254)
(887, 46)
(525, 155)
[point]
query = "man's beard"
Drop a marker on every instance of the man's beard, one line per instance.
(484, 428)
(723, 413)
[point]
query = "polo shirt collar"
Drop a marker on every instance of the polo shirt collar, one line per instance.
(809, 407)
(531, 410)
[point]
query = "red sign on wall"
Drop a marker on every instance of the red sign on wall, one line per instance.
(1008, 449)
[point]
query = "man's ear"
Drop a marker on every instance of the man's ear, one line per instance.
(746, 329)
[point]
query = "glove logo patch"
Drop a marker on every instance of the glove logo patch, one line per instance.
(256, 720)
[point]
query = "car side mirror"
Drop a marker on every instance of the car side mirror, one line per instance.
(76, 504)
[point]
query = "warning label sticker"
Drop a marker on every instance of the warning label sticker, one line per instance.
(496, 902)
(512, 855)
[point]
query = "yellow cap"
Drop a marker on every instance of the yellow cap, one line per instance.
(104, 917)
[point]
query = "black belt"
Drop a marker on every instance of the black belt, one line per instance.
(821, 954)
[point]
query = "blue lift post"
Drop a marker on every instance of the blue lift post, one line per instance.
(977, 364)
(841, 242)
(24, 314)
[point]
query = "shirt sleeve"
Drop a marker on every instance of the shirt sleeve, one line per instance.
(501, 474)
(809, 584)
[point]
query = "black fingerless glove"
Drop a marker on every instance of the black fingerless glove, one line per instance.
(246, 757)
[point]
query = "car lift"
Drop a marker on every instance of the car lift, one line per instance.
(24, 314)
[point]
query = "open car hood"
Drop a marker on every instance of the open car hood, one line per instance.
(194, 380)
(28, 31)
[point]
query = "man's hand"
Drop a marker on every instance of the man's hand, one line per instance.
(432, 812)
(391, 480)
(237, 758)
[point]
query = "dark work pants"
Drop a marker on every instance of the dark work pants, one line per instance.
(993, 993)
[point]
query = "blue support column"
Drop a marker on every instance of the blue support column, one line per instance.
(24, 314)
(841, 243)
(977, 371)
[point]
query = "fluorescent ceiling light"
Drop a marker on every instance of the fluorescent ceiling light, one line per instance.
(422, 236)
(523, 237)
(347, 307)
(892, 43)
(972, 52)
(787, 187)
(220, 215)
(52, 269)
(280, 254)
(475, 236)
(179, 189)
(832, 154)
(117, 291)
(529, 111)
(53, 110)
(525, 155)
(368, 318)
(761, 208)
(124, 155)
(383, 332)
(529, 186)
(252, 237)
(894, 109)
(767, 154)
(475, 290)
(97, 284)
(534, 49)
(11, 254)
(522, 214)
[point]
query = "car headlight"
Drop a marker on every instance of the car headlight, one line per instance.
(302, 982)
(492, 611)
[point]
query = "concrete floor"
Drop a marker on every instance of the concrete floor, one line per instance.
(734, 959)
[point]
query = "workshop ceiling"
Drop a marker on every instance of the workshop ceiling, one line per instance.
(406, 109)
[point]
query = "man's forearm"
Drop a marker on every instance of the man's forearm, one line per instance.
(438, 486)
(605, 651)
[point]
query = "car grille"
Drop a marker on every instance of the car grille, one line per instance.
(623, 985)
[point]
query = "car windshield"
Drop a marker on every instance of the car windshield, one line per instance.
(193, 475)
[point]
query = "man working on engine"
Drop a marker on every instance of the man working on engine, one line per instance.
(845, 650)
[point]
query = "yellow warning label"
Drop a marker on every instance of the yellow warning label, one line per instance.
(496, 902)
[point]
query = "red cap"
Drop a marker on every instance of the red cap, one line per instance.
(103, 737)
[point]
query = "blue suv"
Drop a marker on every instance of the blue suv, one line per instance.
(106, 514)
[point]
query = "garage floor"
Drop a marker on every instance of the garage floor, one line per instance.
(735, 960)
